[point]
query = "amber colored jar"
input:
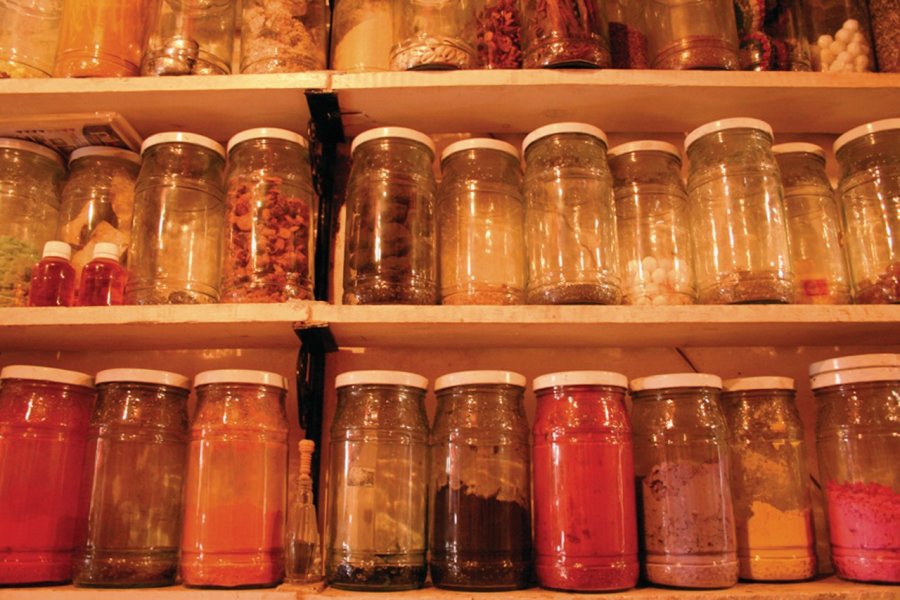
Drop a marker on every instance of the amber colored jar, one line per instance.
(102, 38)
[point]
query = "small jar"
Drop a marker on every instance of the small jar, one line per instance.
(584, 509)
(44, 416)
(30, 180)
(869, 191)
(628, 34)
(481, 221)
(498, 33)
(839, 36)
(433, 35)
(886, 33)
(570, 217)
(102, 38)
(191, 37)
(271, 211)
(653, 225)
(769, 480)
(773, 36)
(29, 37)
(565, 33)
(814, 226)
(377, 491)
(236, 481)
(179, 221)
(362, 35)
(858, 435)
(681, 464)
(692, 35)
(132, 525)
(283, 36)
(738, 221)
(389, 255)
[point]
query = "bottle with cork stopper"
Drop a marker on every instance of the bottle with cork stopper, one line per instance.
(303, 560)
(103, 278)
(53, 277)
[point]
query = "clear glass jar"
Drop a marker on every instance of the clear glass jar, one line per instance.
(191, 37)
(769, 480)
(738, 221)
(570, 217)
(433, 34)
(869, 191)
(362, 35)
(235, 482)
(131, 525)
(30, 180)
(814, 226)
(839, 35)
(283, 36)
(272, 211)
(886, 33)
(102, 38)
(498, 33)
(692, 34)
(628, 34)
(28, 37)
(44, 416)
(858, 434)
(481, 222)
(774, 41)
(653, 226)
(681, 465)
(584, 508)
(377, 490)
(389, 255)
(179, 221)
(565, 33)
(480, 490)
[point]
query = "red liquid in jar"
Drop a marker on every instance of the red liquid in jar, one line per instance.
(102, 283)
(52, 283)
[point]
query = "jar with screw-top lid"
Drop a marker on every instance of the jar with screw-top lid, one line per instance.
(29, 37)
(692, 34)
(565, 33)
(102, 38)
(191, 37)
(840, 38)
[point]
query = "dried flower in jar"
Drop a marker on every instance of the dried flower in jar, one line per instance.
(498, 27)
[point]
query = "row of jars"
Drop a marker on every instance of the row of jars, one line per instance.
(755, 224)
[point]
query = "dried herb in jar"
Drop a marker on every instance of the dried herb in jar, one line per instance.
(629, 47)
(282, 36)
(567, 33)
(498, 27)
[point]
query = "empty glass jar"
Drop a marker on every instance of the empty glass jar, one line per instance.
(28, 37)
(102, 38)
(433, 34)
(839, 36)
(692, 34)
(565, 33)
(191, 37)
(283, 36)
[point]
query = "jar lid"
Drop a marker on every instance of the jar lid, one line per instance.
(743, 384)
(403, 378)
(725, 124)
(564, 378)
(568, 127)
(105, 151)
(57, 249)
(240, 376)
(391, 132)
(645, 146)
(676, 380)
(269, 133)
(16, 144)
(797, 147)
(479, 377)
(106, 250)
(479, 144)
(855, 361)
(169, 137)
(862, 130)
(47, 374)
(143, 376)
(847, 376)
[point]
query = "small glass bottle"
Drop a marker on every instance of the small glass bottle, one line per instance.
(103, 279)
(362, 35)
(570, 217)
(565, 33)
(431, 35)
(698, 34)
(102, 38)
(283, 36)
(302, 552)
(498, 33)
(53, 277)
(29, 37)
(481, 221)
(628, 34)
(191, 37)
(839, 36)
(886, 33)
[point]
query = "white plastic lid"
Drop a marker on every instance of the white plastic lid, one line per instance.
(240, 376)
(676, 380)
(31, 147)
(564, 378)
(645, 146)
(58, 249)
(847, 376)
(479, 144)
(47, 374)
(855, 361)
(391, 132)
(479, 377)
(106, 151)
(796, 147)
(725, 124)
(860, 131)
(169, 137)
(403, 378)
(266, 132)
(143, 376)
(106, 250)
(743, 384)
(568, 127)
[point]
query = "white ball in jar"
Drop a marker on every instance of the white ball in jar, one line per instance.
(826, 57)
(837, 46)
(844, 36)
(851, 25)
(824, 41)
(660, 300)
(658, 276)
(649, 263)
(861, 63)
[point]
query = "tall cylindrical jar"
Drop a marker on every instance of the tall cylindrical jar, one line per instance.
(886, 33)
(570, 217)
(132, 524)
(377, 490)
(236, 481)
(271, 210)
(389, 255)
(584, 507)
(701, 34)
(102, 38)
(565, 33)
(437, 34)
(481, 223)
(840, 38)
(480, 507)
(191, 37)
(653, 224)
(178, 228)
(628, 34)
(858, 434)
(869, 191)
(28, 37)
(44, 417)
(681, 465)
(769, 480)
(498, 33)
(284, 36)
(738, 220)
(362, 35)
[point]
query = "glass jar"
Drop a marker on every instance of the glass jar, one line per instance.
(565, 33)
(377, 491)
(236, 481)
(681, 465)
(271, 208)
(389, 255)
(191, 37)
(362, 35)
(44, 416)
(869, 191)
(433, 34)
(814, 226)
(480, 483)
(102, 38)
(886, 33)
(839, 35)
(738, 221)
(692, 34)
(283, 36)
(584, 510)
(769, 480)
(481, 220)
(30, 180)
(28, 37)
(131, 525)
(653, 225)
(570, 217)
(858, 434)
(775, 41)
(498, 33)
(179, 221)
(628, 34)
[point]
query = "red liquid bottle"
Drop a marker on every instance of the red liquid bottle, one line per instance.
(103, 279)
(53, 277)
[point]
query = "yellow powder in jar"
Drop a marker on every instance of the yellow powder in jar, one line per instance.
(776, 545)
